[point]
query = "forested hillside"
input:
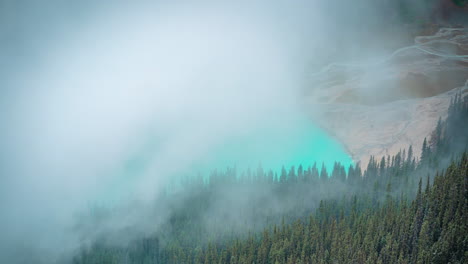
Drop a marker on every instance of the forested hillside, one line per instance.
(433, 228)
(397, 210)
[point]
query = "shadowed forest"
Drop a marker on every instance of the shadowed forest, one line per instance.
(397, 210)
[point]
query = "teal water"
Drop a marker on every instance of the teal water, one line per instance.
(277, 142)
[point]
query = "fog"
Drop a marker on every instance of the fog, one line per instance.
(87, 87)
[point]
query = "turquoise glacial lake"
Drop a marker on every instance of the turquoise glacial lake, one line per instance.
(271, 145)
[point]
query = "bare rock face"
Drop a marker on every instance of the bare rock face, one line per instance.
(380, 107)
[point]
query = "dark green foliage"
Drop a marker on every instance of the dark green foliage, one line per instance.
(397, 211)
(433, 228)
(460, 3)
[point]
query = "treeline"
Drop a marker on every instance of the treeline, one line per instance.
(360, 216)
(433, 228)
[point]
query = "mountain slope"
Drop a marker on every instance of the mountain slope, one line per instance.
(378, 108)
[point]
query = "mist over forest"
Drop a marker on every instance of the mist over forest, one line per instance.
(234, 131)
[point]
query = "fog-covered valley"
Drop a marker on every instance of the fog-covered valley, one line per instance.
(184, 124)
